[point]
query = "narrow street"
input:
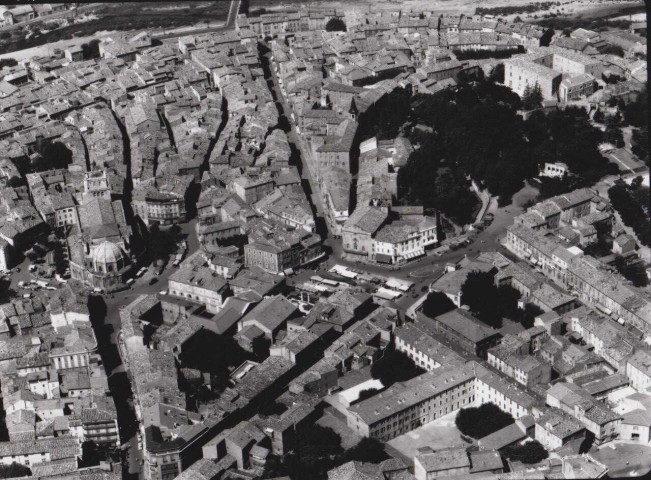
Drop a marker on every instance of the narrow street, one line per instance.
(297, 144)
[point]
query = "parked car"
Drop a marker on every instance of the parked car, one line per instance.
(153, 280)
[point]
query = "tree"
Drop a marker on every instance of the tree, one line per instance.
(527, 316)
(612, 50)
(528, 453)
(599, 116)
(633, 271)
(161, 243)
(478, 422)
(59, 259)
(497, 73)
(437, 303)
(532, 97)
(335, 25)
(526, 97)
(366, 393)
(51, 155)
(90, 50)
(631, 211)
(613, 132)
(395, 367)
(478, 292)
(368, 450)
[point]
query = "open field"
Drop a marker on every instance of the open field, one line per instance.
(119, 17)
(48, 48)
(571, 8)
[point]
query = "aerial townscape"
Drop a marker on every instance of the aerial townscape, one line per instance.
(333, 240)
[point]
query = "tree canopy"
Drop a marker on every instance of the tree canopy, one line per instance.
(532, 97)
(395, 367)
(633, 271)
(335, 25)
(631, 206)
(528, 453)
(14, 470)
(90, 49)
(318, 451)
(436, 304)
(474, 132)
(477, 422)
(50, 155)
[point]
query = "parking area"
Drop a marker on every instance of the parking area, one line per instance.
(439, 434)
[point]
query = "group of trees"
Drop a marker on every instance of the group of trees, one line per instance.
(613, 133)
(510, 10)
(318, 450)
(634, 271)
(162, 243)
(50, 155)
(529, 452)
(478, 422)
(480, 54)
(636, 114)
(8, 62)
(532, 97)
(490, 303)
(14, 470)
(386, 117)
(632, 204)
(474, 131)
(90, 49)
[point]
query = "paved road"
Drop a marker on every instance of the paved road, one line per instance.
(227, 25)
(142, 285)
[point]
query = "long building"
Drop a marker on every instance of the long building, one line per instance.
(406, 406)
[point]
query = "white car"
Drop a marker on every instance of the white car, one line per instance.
(163, 292)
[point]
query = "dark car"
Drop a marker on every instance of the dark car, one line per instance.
(153, 280)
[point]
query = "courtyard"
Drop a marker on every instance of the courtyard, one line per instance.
(439, 434)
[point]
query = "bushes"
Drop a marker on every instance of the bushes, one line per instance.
(478, 422)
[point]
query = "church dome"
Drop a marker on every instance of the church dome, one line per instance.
(108, 253)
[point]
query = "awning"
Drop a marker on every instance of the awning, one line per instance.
(603, 309)
(383, 258)
(415, 254)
